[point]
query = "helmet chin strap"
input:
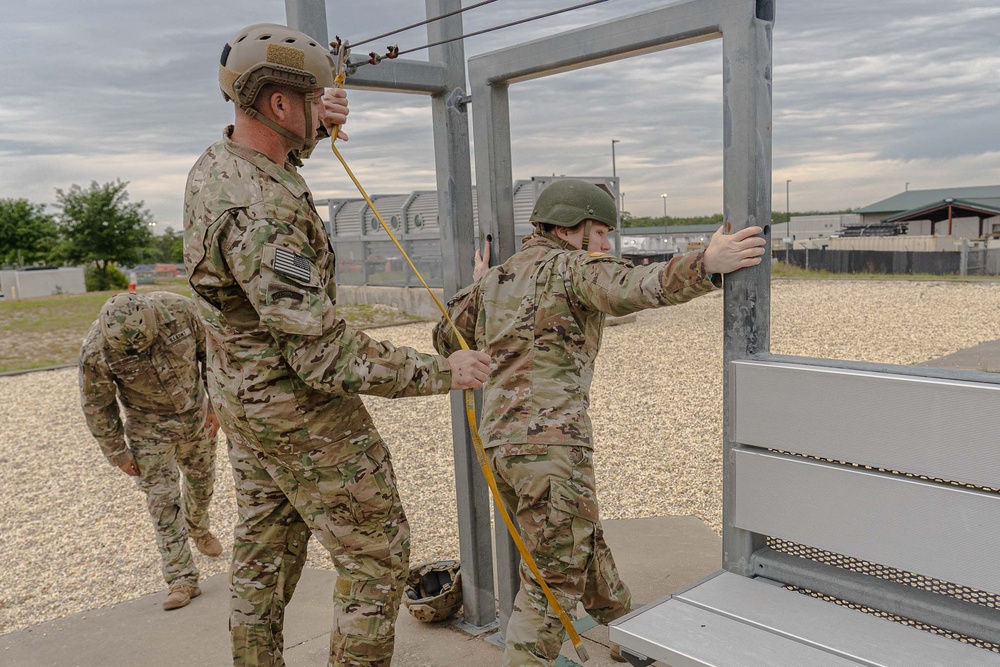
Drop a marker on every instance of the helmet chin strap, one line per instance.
(304, 146)
(586, 235)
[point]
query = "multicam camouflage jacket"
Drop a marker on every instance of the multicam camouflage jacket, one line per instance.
(540, 315)
(161, 389)
(286, 370)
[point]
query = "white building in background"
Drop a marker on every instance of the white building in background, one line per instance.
(31, 283)
(813, 226)
(963, 213)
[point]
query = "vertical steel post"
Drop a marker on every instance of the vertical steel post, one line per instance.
(308, 16)
(495, 200)
(746, 95)
(454, 185)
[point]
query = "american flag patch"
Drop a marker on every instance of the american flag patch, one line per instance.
(294, 266)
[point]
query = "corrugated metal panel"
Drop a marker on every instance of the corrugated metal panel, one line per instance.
(422, 215)
(391, 208)
(347, 222)
(524, 201)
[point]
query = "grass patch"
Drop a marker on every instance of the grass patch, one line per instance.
(48, 331)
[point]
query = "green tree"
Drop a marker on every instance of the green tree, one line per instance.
(27, 234)
(102, 227)
(168, 247)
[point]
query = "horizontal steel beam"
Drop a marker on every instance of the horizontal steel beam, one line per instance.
(399, 76)
(941, 611)
(644, 32)
(869, 367)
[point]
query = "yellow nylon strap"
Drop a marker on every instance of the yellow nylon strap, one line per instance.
(470, 414)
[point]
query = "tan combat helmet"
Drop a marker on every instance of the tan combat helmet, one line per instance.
(128, 323)
(569, 202)
(433, 592)
(267, 53)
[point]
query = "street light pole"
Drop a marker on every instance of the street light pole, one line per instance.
(664, 208)
(614, 174)
(788, 220)
(618, 205)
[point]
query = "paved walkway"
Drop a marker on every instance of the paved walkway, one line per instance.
(657, 555)
(983, 357)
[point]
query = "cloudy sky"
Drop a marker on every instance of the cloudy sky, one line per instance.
(867, 97)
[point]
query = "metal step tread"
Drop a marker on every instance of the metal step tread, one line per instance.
(730, 620)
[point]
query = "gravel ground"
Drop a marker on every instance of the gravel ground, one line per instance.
(74, 534)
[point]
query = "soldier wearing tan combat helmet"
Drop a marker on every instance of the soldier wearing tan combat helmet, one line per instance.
(540, 316)
(147, 353)
(287, 372)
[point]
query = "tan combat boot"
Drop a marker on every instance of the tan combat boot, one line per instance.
(180, 596)
(208, 544)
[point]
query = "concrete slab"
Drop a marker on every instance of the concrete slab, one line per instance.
(983, 357)
(655, 555)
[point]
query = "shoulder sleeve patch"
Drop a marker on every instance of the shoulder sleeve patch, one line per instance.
(595, 254)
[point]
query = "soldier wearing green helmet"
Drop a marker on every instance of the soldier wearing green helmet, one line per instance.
(539, 315)
(146, 353)
(287, 372)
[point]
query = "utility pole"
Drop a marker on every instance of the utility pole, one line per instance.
(618, 206)
(788, 221)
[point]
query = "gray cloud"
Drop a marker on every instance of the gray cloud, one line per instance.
(866, 96)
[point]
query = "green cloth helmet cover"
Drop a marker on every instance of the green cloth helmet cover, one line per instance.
(433, 591)
(569, 202)
(128, 322)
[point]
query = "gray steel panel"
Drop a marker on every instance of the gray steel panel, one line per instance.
(940, 428)
(683, 635)
(848, 633)
(944, 532)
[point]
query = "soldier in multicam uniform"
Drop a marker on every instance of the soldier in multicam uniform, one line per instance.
(540, 316)
(147, 352)
(287, 371)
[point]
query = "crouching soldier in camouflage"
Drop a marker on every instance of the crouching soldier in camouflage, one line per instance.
(539, 315)
(287, 371)
(147, 352)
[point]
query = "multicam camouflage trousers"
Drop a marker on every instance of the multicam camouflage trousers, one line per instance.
(347, 498)
(551, 489)
(177, 504)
